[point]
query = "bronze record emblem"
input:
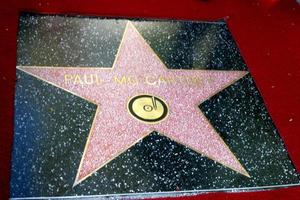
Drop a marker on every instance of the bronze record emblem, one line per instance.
(148, 108)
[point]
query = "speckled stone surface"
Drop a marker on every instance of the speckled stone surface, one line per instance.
(52, 125)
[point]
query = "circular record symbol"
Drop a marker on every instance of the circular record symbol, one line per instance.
(148, 108)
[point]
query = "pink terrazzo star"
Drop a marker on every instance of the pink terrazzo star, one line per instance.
(114, 129)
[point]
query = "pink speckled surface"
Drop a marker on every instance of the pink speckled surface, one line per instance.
(114, 130)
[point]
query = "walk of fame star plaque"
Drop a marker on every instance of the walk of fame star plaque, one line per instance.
(139, 108)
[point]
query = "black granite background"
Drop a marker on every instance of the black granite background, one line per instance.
(52, 125)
